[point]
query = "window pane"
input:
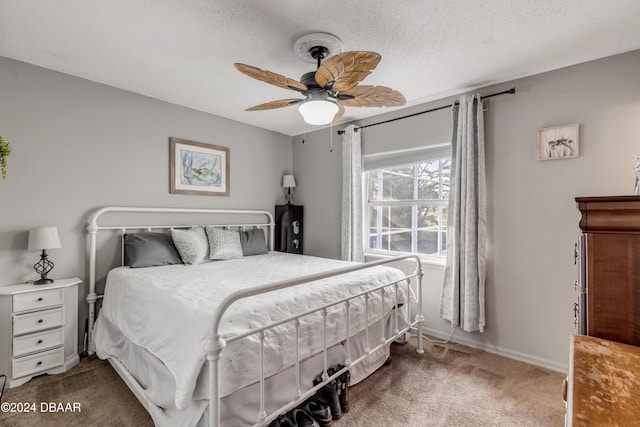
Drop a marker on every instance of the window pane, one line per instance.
(401, 241)
(373, 216)
(443, 233)
(443, 251)
(427, 216)
(433, 179)
(398, 183)
(372, 188)
(428, 242)
(443, 224)
(397, 217)
(392, 229)
(378, 241)
(428, 178)
(445, 167)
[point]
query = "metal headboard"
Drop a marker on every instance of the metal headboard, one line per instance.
(93, 228)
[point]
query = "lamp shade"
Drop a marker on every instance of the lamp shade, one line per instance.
(43, 238)
(288, 181)
(318, 110)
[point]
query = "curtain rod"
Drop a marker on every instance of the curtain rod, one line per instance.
(511, 91)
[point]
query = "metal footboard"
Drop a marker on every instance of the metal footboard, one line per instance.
(215, 343)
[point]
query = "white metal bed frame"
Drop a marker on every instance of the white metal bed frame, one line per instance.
(215, 343)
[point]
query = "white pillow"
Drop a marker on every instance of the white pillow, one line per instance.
(192, 244)
(224, 244)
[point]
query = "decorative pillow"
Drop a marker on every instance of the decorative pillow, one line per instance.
(253, 242)
(223, 244)
(192, 245)
(150, 249)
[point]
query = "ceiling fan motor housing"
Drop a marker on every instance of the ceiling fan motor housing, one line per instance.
(309, 80)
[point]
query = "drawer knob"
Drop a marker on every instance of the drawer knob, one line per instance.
(40, 299)
(40, 320)
(39, 363)
(39, 342)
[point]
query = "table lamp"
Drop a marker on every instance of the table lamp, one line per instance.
(43, 238)
(288, 182)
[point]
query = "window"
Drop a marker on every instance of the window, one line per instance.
(407, 203)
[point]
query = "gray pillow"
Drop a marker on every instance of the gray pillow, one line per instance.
(192, 245)
(253, 242)
(150, 250)
(223, 244)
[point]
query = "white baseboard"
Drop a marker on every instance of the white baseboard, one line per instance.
(516, 355)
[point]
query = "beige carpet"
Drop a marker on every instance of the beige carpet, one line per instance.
(449, 386)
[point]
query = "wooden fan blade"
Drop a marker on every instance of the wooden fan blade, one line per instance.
(271, 78)
(339, 114)
(344, 71)
(373, 96)
(275, 104)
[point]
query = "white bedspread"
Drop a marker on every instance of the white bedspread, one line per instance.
(168, 311)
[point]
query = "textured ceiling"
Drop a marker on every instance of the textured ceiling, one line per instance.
(182, 51)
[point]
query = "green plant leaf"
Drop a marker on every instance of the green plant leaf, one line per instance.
(5, 150)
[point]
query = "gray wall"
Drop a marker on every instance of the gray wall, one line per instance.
(532, 215)
(79, 145)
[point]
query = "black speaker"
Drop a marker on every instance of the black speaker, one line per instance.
(288, 233)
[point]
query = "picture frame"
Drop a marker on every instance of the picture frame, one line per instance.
(559, 142)
(197, 168)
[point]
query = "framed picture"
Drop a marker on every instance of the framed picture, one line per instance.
(560, 142)
(198, 168)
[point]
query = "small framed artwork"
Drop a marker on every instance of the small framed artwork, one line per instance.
(560, 142)
(198, 168)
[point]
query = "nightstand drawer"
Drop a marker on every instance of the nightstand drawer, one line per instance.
(37, 362)
(36, 300)
(37, 321)
(37, 342)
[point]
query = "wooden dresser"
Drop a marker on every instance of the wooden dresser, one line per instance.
(611, 227)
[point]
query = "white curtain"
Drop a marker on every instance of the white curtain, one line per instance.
(463, 290)
(352, 242)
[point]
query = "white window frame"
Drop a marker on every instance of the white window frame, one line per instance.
(394, 159)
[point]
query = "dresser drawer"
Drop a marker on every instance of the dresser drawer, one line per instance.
(37, 362)
(37, 342)
(37, 321)
(37, 300)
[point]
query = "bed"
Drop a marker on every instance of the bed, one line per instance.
(236, 342)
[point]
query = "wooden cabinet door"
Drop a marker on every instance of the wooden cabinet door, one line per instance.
(613, 286)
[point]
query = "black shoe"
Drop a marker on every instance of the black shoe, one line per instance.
(344, 381)
(328, 396)
(303, 419)
(321, 413)
(283, 421)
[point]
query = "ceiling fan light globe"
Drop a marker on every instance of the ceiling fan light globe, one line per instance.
(318, 111)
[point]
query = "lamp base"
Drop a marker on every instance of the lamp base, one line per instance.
(43, 267)
(288, 196)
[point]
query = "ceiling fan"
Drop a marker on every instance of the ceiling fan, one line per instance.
(332, 86)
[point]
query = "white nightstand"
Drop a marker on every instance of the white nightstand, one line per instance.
(38, 329)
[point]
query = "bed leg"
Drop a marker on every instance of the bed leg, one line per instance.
(213, 346)
(420, 315)
(91, 295)
(91, 300)
(420, 319)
